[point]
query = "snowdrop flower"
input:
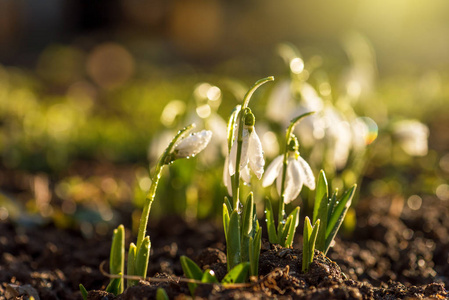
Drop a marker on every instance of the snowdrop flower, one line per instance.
(412, 136)
(251, 153)
(298, 173)
(192, 144)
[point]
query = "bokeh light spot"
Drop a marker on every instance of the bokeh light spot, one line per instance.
(414, 202)
(297, 65)
(442, 192)
(110, 65)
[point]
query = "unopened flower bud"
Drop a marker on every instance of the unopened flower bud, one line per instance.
(192, 144)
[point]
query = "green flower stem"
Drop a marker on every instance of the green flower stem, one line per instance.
(254, 88)
(241, 120)
(163, 160)
(288, 136)
(236, 179)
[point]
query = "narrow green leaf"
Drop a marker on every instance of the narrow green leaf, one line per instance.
(322, 216)
(332, 204)
(192, 271)
(142, 258)
(247, 227)
(312, 239)
(254, 252)
(269, 218)
(238, 274)
(161, 294)
(320, 193)
(225, 220)
(83, 291)
(293, 225)
(233, 243)
(117, 260)
(209, 277)
(256, 226)
(228, 204)
(342, 205)
(114, 286)
(310, 234)
(305, 244)
(341, 208)
(247, 222)
(131, 264)
(283, 235)
(190, 268)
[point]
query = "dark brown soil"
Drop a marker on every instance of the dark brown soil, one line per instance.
(395, 253)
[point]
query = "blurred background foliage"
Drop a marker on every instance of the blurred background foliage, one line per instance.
(91, 91)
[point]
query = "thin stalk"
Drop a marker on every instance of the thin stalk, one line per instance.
(163, 160)
(288, 136)
(236, 185)
(240, 121)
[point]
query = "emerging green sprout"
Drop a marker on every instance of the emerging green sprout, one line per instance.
(239, 274)
(328, 215)
(291, 172)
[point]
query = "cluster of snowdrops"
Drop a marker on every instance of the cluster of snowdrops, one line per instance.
(241, 226)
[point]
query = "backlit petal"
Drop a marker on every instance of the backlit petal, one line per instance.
(293, 181)
(255, 154)
(232, 158)
(193, 144)
(309, 178)
(244, 173)
(245, 145)
(273, 171)
(226, 177)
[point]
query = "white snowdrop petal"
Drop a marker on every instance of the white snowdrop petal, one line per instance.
(246, 176)
(255, 154)
(227, 177)
(309, 178)
(193, 144)
(232, 159)
(279, 183)
(294, 181)
(229, 186)
(273, 171)
(245, 145)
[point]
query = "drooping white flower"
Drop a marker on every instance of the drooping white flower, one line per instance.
(251, 155)
(298, 174)
(412, 136)
(227, 180)
(192, 144)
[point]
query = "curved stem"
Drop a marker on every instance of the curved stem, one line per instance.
(254, 88)
(288, 136)
(163, 160)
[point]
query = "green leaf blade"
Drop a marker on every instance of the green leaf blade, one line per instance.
(192, 271)
(338, 217)
(161, 294)
(233, 243)
(209, 277)
(271, 226)
(320, 193)
(238, 274)
(292, 229)
(341, 207)
(142, 258)
(131, 270)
